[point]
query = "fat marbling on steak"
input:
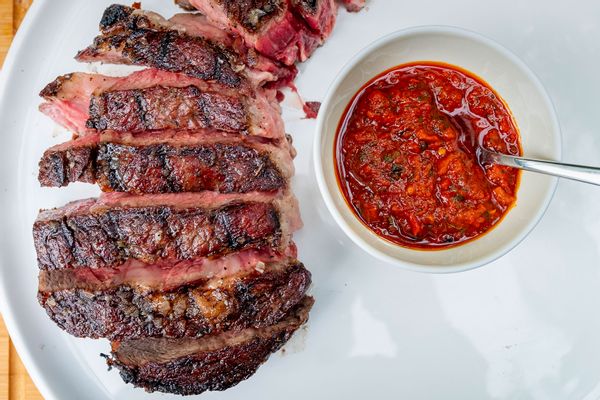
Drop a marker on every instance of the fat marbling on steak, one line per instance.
(168, 162)
(215, 362)
(152, 99)
(187, 44)
(110, 230)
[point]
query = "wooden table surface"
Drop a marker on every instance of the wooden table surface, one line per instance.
(15, 383)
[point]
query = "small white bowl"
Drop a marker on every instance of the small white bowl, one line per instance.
(510, 78)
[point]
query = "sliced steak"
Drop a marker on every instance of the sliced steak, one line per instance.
(214, 362)
(254, 297)
(284, 30)
(152, 100)
(105, 232)
(188, 45)
(160, 107)
(168, 162)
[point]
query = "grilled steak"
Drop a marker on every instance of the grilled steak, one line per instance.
(188, 45)
(215, 362)
(105, 232)
(168, 162)
(152, 99)
(162, 107)
(186, 262)
(284, 30)
(254, 297)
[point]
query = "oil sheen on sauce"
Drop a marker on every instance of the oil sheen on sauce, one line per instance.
(407, 156)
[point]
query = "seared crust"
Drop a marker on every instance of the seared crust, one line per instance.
(108, 237)
(170, 51)
(253, 15)
(60, 167)
(210, 369)
(117, 15)
(163, 168)
(256, 298)
(157, 100)
(54, 88)
(161, 107)
(185, 43)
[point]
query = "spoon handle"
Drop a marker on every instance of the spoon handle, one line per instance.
(579, 173)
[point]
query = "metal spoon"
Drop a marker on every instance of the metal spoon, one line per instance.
(579, 173)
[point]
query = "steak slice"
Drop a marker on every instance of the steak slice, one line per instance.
(168, 162)
(215, 362)
(152, 99)
(284, 30)
(185, 44)
(105, 232)
(253, 297)
(160, 107)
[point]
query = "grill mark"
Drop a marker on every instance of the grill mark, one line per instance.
(106, 238)
(164, 154)
(159, 107)
(164, 50)
(141, 107)
(252, 15)
(115, 180)
(170, 51)
(202, 105)
(57, 162)
(162, 168)
(59, 168)
(70, 234)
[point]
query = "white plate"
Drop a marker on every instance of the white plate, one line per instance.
(525, 326)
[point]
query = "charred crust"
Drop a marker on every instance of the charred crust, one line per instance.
(225, 168)
(52, 243)
(141, 42)
(108, 154)
(52, 171)
(307, 5)
(53, 88)
(164, 50)
(159, 107)
(218, 369)
(141, 103)
(114, 15)
(59, 168)
(256, 299)
(253, 14)
(163, 156)
(106, 238)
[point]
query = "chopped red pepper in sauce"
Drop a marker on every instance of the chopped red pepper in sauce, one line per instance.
(408, 161)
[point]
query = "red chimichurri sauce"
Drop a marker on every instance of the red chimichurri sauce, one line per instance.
(407, 155)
